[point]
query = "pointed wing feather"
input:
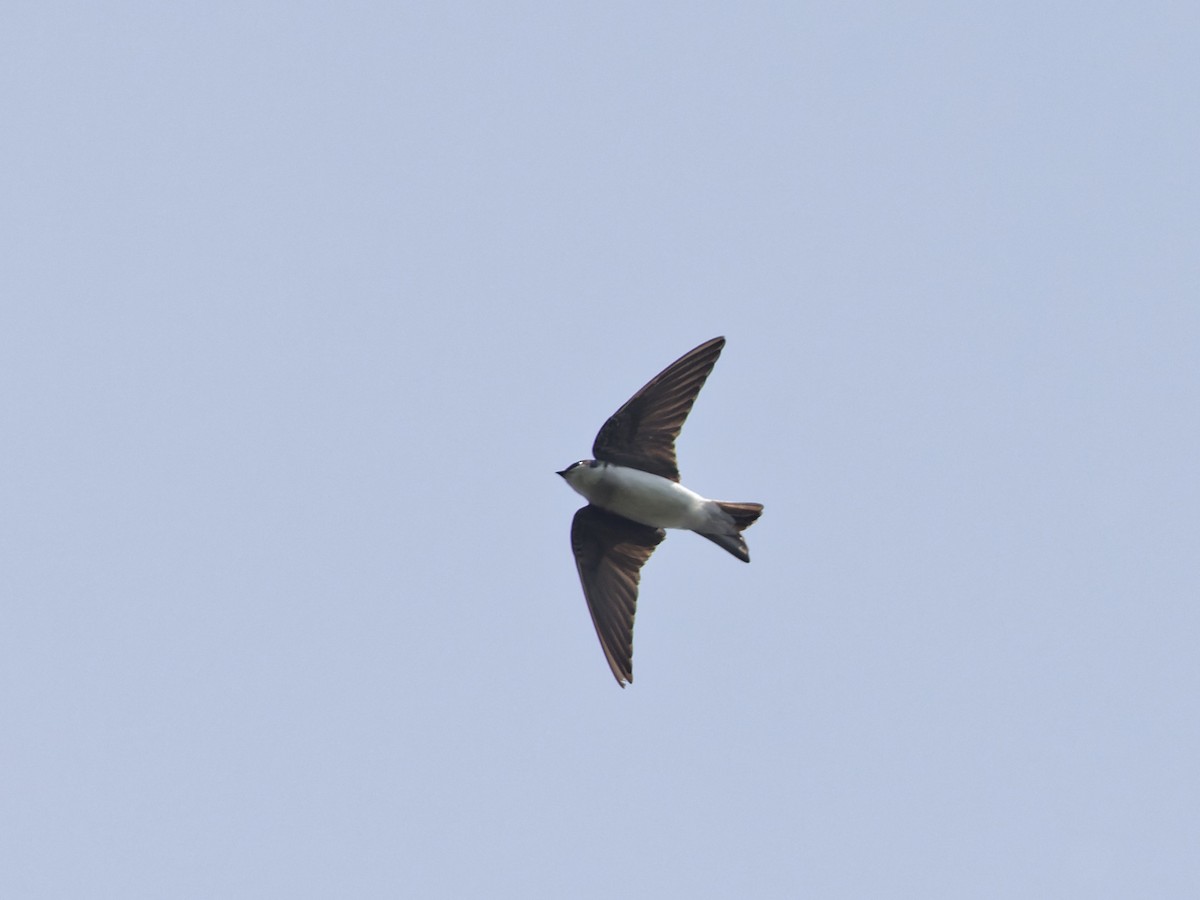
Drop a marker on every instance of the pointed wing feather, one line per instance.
(642, 433)
(610, 551)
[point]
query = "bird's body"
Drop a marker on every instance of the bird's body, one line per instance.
(633, 492)
(643, 497)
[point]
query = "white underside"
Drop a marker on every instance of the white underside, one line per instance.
(649, 499)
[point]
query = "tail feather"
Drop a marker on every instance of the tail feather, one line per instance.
(744, 515)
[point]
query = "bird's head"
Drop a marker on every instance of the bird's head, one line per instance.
(583, 473)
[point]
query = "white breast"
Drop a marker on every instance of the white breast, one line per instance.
(649, 499)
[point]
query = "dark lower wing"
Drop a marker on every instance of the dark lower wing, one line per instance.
(610, 551)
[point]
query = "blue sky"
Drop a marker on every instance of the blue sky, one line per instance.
(303, 305)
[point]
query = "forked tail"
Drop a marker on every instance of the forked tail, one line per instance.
(743, 515)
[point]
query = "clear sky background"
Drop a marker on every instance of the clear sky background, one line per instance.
(302, 305)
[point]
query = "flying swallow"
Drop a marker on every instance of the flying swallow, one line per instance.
(633, 493)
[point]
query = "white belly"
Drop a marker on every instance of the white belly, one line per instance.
(649, 499)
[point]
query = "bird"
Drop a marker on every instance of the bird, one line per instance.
(633, 492)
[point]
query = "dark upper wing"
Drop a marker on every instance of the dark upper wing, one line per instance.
(642, 433)
(609, 553)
